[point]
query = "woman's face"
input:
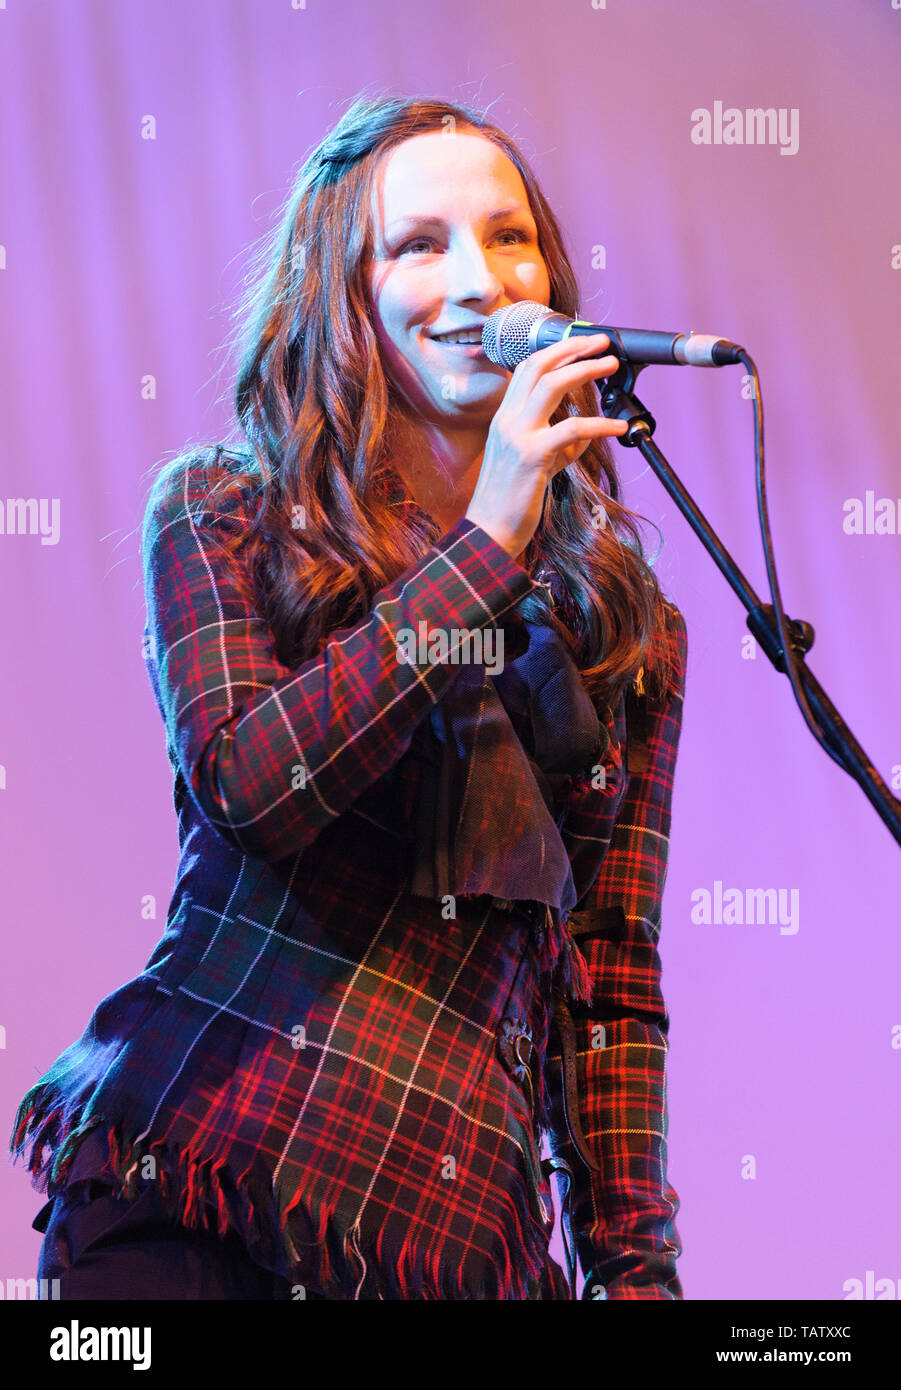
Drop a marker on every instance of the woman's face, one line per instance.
(454, 240)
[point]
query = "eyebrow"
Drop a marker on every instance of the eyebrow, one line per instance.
(425, 221)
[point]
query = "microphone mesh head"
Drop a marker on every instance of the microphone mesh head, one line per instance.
(505, 333)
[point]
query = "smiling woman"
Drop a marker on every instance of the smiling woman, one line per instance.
(455, 239)
(370, 1002)
(453, 232)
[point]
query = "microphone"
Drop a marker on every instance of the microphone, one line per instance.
(512, 334)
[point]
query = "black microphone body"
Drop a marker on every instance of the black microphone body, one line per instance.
(512, 334)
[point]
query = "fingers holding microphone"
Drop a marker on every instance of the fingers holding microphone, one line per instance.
(523, 451)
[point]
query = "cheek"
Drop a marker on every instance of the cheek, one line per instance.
(402, 313)
(533, 277)
(395, 307)
(389, 315)
(395, 312)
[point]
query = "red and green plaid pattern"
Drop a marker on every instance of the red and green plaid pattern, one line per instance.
(623, 1220)
(310, 1056)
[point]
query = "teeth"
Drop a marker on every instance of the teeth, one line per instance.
(463, 336)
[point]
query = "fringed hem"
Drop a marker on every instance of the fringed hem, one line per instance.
(517, 1269)
(42, 1122)
(558, 957)
(320, 1251)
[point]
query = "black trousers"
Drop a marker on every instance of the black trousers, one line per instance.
(101, 1246)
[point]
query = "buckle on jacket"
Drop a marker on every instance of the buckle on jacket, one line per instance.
(516, 1047)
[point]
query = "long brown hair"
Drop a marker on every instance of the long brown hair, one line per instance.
(332, 522)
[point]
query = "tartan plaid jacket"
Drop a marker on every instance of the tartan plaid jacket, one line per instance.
(317, 1059)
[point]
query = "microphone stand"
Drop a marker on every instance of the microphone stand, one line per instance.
(619, 403)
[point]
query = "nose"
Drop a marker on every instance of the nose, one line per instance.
(469, 275)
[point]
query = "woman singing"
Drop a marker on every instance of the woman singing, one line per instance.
(422, 698)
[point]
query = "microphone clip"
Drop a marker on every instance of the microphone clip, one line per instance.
(618, 403)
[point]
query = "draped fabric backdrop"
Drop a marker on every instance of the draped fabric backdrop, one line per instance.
(144, 149)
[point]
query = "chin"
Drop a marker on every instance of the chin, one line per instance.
(480, 409)
(477, 391)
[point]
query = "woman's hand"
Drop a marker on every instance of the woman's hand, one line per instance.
(523, 452)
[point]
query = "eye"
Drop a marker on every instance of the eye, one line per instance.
(418, 241)
(516, 232)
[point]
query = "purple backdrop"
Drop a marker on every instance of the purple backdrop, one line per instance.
(144, 149)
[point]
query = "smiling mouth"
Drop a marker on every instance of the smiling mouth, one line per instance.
(471, 338)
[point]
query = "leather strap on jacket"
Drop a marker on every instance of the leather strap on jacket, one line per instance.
(563, 1022)
(637, 750)
(609, 922)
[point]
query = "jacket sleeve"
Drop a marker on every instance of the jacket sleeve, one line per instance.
(270, 754)
(623, 1217)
